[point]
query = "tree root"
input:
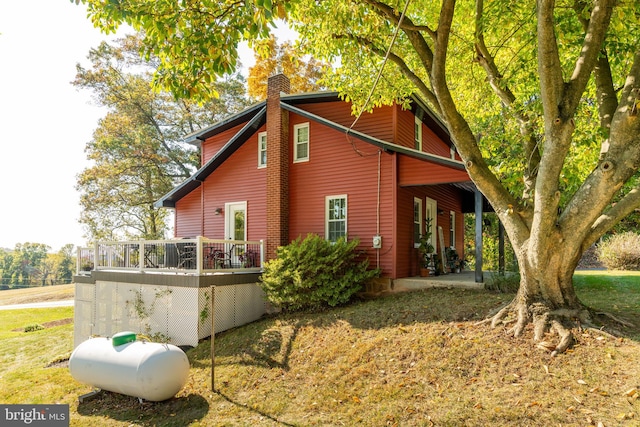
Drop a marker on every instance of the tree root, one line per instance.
(615, 319)
(544, 320)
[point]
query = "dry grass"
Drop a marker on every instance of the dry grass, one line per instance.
(412, 359)
(37, 294)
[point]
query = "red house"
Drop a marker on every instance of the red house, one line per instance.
(293, 165)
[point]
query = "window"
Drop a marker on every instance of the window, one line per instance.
(262, 149)
(417, 134)
(336, 215)
(417, 221)
(301, 142)
(452, 229)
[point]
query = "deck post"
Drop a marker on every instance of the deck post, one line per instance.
(213, 334)
(199, 254)
(478, 208)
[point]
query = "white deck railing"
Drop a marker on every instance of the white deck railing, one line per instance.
(195, 256)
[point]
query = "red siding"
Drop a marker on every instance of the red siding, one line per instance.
(237, 180)
(338, 165)
(431, 143)
(189, 215)
(378, 124)
(420, 172)
(212, 145)
(334, 168)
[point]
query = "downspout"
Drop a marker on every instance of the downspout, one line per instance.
(378, 211)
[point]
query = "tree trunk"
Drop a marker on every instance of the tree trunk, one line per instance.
(546, 299)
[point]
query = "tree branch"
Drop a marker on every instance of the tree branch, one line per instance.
(606, 93)
(418, 42)
(402, 65)
(504, 93)
(549, 69)
(629, 203)
(503, 203)
(591, 48)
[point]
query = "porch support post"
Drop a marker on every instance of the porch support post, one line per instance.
(500, 247)
(478, 209)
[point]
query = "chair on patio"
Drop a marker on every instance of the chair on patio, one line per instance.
(187, 255)
(220, 258)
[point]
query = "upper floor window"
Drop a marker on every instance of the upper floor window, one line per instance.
(301, 142)
(417, 134)
(262, 149)
(417, 221)
(336, 217)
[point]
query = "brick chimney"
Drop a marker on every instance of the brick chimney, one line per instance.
(277, 166)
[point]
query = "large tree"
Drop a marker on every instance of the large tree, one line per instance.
(272, 58)
(137, 150)
(541, 100)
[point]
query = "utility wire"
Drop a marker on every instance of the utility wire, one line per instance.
(384, 61)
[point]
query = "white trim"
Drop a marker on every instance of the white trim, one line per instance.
(417, 134)
(420, 220)
(452, 229)
(262, 137)
(326, 214)
(229, 209)
(431, 211)
(296, 128)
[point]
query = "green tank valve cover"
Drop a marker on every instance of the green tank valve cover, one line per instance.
(123, 338)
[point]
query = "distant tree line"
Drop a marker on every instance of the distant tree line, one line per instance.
(31, 264)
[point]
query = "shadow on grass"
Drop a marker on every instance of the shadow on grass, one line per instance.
(254, 410)
(180, 411)
(269, 342)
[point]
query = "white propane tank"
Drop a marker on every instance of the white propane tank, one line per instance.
(150, 371)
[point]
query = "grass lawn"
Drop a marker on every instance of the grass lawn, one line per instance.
(408, 359)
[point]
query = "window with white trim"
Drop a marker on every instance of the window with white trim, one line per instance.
(417, 221)
(301, 142)
(452, 229)
(262, 149)
(336, 217)
(417, 134)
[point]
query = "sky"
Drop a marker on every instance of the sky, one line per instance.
(45, 122)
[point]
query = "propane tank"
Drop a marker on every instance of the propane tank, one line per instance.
(125, 365)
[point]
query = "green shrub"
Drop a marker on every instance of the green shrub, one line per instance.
(620, 251)
(507, 282)
(314, 273)
(34, 327)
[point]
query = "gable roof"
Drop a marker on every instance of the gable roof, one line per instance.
(255, 117)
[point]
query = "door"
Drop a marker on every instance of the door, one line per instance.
(235, 229)
(431, 213)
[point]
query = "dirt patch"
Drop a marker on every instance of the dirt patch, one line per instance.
(51, 324)
(60, 363)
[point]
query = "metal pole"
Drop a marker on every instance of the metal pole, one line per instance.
(478, 208)
(213, 335)
(500, 247)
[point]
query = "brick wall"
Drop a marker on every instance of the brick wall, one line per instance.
(277, 166)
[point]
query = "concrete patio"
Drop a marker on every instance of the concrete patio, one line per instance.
(464, 279)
